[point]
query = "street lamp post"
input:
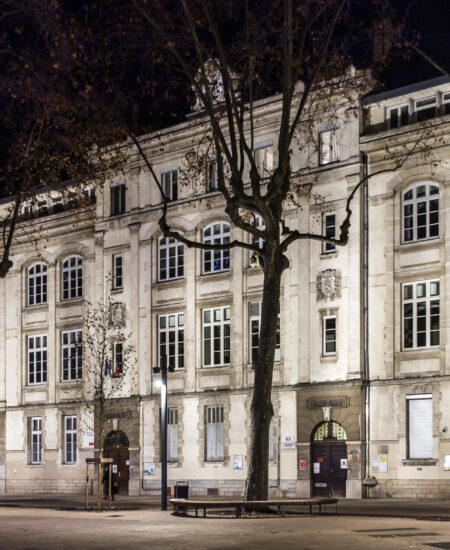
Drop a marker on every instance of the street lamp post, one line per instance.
(163, 369)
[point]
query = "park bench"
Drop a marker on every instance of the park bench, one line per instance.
(182, 504)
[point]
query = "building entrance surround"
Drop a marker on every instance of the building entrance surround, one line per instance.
(116, 447)
(329, 460)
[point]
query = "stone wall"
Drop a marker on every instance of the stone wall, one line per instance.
(411, 488)
(225, 487)
(29, 486)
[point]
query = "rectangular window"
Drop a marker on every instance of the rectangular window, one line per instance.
(37, 284)
(328, 145)
(71, 355)
(211, 180)
(171, 339)
(214, 433)
(70, 439)
(117, 197)
(172, 434)
(170, 259)
(420, 426)
(216, 336)
(37, 359)
(254, 314)
(421, 314)
(169, 183)
(264, 158)
(329, 335)
(425, 108)
(398, 116)
(36, 440)
(329, 230)
(446, 103)
(117, 358)
(117, 271)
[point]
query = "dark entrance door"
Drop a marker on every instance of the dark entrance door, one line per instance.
(328, 477)
(116, 447)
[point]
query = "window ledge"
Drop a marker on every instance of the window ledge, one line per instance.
(329, 358)
(117, 290)
(224, 272)
(419, 461)
(419, 353)
(176, 282)
(419, 245)
(35, 387)
(70, 302)
(213, 463)
(326, 255)
(36, 307)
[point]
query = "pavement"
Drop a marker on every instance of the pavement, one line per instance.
(144, 529)
(400, 508)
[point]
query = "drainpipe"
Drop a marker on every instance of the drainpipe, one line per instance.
(366, 311)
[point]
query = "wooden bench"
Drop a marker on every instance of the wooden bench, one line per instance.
(182, 504)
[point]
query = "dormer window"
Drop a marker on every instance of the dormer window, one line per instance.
(211, 180)
(328, 145)
(398, 116)
(264, 158)
(446, 103)
(425, 108)
(169, 183)
(117, 197)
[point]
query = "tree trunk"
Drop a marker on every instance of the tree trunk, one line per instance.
(261, 410)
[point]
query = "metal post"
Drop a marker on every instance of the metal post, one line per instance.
(99, 496)
(87, 486)
(109, 485)
(164, 432)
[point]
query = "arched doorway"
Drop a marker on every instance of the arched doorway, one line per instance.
(328, 460)
(116, 447)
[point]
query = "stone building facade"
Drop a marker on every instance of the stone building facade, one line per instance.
(203, 310)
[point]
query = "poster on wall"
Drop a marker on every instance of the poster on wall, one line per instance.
(344, 463)
(88, 440)
(447, 463)
(302, 465)
(316, 468)
(288, 443)
(114, 470)
(237, 462)
(149, 468)
(380, 464)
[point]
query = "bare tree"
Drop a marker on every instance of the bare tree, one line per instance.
(108, 360)
(55, 116)
(301, 52)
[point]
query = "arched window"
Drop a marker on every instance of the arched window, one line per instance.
(116, 439)
(170, 259)
(72, 278)
(420, 217)
(216, 260)
(37, 284)
(329, 431)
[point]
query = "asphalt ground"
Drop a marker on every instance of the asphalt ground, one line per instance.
(401, 508)
(150, 529)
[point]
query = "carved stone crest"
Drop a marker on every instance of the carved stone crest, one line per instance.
(117, 314)
(328, 284)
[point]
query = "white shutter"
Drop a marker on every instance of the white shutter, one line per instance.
(271, 440)
(172, 435)
(214, 433)
(219, 441)
(420, 426)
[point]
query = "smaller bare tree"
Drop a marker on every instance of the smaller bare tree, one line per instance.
(108, 359)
